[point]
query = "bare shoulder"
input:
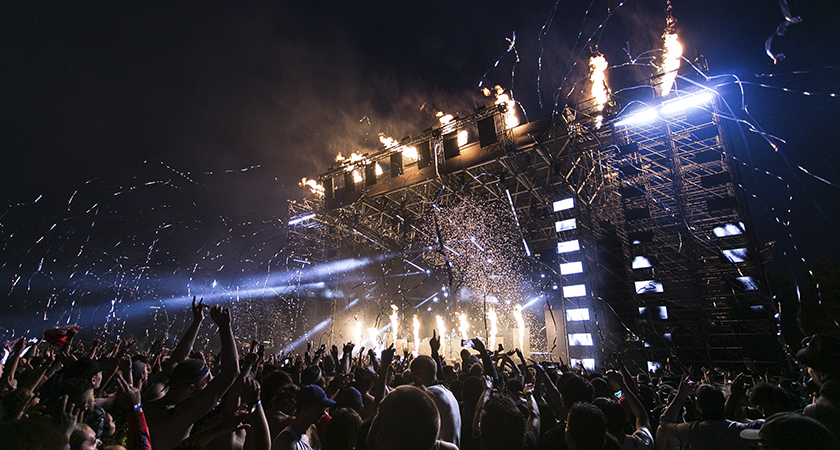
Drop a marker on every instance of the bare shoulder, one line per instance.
(443, 445)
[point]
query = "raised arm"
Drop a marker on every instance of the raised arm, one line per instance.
(434, 343)
(382, 380)
(671, 415)
(195, 407)
(642, 418)
(486, 361)
(258, 436)
(550, 388)
(185, 345)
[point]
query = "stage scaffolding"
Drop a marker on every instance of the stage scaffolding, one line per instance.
(641, 226)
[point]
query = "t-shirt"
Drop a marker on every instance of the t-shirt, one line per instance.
(306, 441)
(709, 434)
(450, 414)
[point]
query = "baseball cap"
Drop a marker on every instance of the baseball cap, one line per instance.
(312, 395)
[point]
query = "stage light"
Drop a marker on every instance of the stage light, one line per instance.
(730, 229)
(646, 115)
(577, 290)
(564, 204)
(580, 339)
(571, 268)
(588, 363)
(640, 262)
(568, 246)
(682, 103)
(736, 255)
(565, 225)
(643, 287)
(577, 315)
(301, 218)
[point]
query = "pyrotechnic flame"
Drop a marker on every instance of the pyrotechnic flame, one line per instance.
(357, 176)
(465, 326)
(387, 141)
(416, 336)
(598, 65)
(441, 328)
(444, 118)
(671, 55)
(354, 157)
(463, 137)
(494, 330)
(395, 323)
(409, 153)
(315, 187)
(378, 169)
(520, 323)
(504, 99)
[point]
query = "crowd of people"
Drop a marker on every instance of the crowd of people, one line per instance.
(59, 393)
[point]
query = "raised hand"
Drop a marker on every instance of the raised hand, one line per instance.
(388, 355)
(478, 345)
(250, 391)
(198, 309)
(434, 342)
(127, 395)
(686, 386)
(221, 316)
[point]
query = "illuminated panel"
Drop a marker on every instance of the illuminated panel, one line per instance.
(736, 255)
(640, 262)
(577, 315)
(577, 290)
(588, 363)
(653, 366)
(565, 225)
(662, 311)
(580, 339)
(730, 229)
(748, 283)
(643, 287)
(566, 203)
(571, 268)
(568, 246)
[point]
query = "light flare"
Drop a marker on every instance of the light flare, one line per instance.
(314, 187)
(416, 336)
(357, 176)
(378, 169)
(494, 329)
(520, 324)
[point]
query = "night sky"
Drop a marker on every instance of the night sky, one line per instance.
(150, 148)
